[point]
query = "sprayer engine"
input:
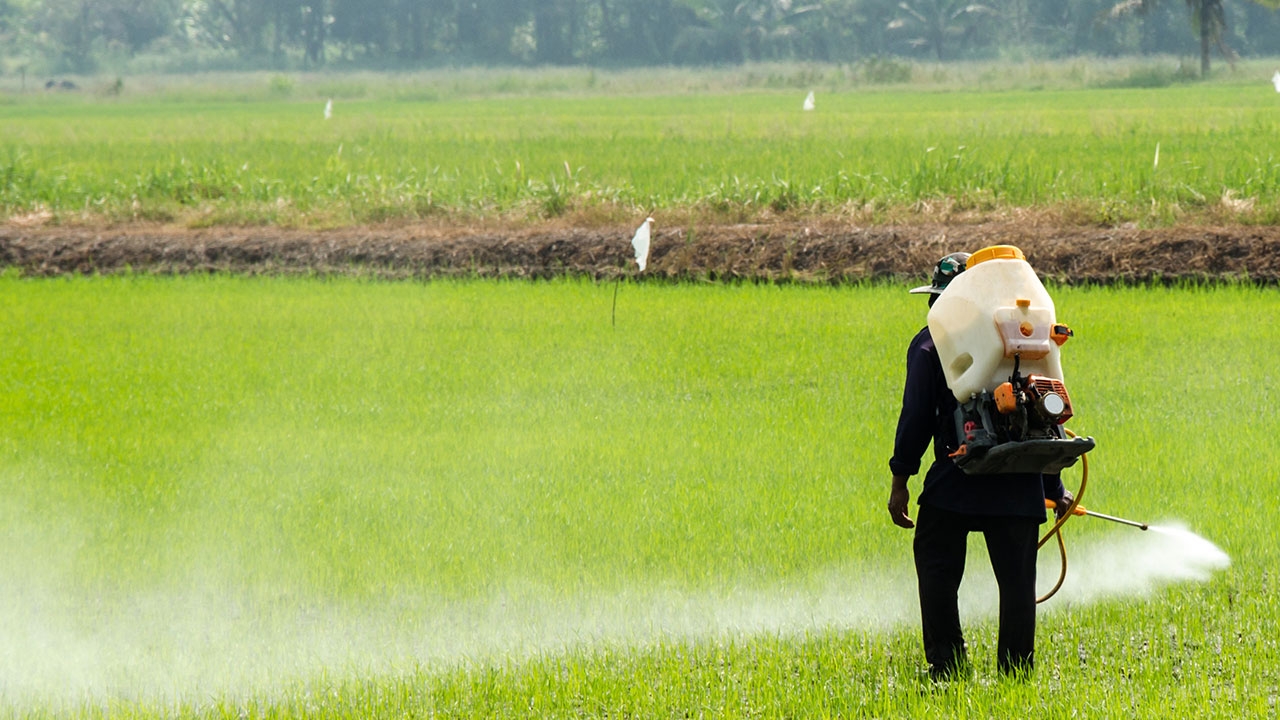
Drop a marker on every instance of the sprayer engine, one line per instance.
(1018, 427)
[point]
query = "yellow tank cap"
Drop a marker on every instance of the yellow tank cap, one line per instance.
(995, 252)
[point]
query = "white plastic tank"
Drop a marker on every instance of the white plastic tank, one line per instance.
(993, 311)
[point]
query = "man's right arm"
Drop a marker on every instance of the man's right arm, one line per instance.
(914, 432)
(899, 501)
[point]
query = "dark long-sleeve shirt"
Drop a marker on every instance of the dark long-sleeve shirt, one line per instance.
(928, 415)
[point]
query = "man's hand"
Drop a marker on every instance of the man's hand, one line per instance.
(1060, 508)
(899, 501)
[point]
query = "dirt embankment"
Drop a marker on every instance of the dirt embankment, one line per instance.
(778, 252)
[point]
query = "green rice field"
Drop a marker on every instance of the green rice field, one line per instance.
(239, 154)
(328, 497)
(303, 497)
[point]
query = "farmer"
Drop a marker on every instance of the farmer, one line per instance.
(1006, 508)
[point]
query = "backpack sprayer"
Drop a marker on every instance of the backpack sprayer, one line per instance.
(999, 342)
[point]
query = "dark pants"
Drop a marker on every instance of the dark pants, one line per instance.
(940, 546)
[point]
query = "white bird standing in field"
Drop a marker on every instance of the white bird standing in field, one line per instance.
(1275, 80)
(808, 101)
(640, 242)
(328, 109)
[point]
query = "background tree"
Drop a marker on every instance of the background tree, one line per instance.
(76, 35)
(934, 25)
(1256, 28)
(237, 25)
(135, 24)
(1208, 19)
(741, 30)
(639, 31)
(365, 27)
(313, 29)
(69, 28)
(78, 31)
(10, 22)
(553, 31)
(484, 30)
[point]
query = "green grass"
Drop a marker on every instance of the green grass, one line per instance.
(605, 155)
(334, 498)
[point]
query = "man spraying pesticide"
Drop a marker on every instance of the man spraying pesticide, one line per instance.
(984, 384)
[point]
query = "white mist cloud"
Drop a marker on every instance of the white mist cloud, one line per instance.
(1137, 564)
(204, 638)
(210, 637)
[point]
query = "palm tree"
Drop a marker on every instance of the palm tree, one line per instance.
(741, 30)
(1208, 18)
(932, 22)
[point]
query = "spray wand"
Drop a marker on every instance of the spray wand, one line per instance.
(1080, 510)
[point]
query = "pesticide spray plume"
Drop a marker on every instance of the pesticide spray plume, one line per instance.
(1136, 565)
(216, 635)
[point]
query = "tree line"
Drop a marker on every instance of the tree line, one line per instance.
(84, 35)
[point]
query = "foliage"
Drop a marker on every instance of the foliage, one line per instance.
(77, 34)
(82, 36)
(743, 31)
(1208, 18)
(931, 23)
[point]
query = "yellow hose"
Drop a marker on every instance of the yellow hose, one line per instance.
(1057, 526)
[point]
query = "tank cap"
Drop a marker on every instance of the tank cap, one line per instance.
(995, 252)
